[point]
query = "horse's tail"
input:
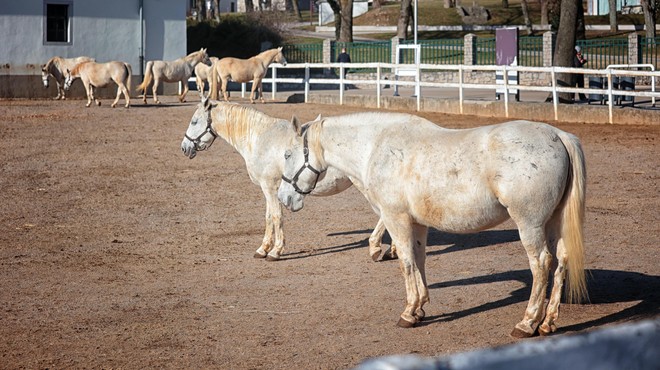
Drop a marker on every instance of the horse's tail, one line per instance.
(214, 82)
(147, 77)
(130, 77)
(572, 219)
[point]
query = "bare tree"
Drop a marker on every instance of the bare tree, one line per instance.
(296, 10)
(377, 4)
(544, 12)
(404, 19)
(528, 22)
(650, 8)
(614, 26)
(199, 6)
(505, 4)
(343, 11)
(449, 4)
(563, 56)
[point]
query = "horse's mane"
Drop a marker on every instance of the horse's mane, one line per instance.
(76, 69)
(242, 123)
(52, 61)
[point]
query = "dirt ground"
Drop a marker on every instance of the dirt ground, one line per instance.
(116, 251)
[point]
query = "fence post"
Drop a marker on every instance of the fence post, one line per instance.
(470, 49)
(634, 49)
(395, 44)
(548, 50)
(327, 55)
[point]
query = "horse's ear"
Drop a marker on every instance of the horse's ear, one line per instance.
(280, 48)
(297, 125)
(318, 118)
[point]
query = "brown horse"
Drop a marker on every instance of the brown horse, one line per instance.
(244, 70)
(179, 70)
(95, 74)
(56, 67)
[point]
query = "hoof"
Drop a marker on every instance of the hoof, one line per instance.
(403, 323)
(375, 257)
(545, 330)
(259, 255)
(114, 105)
(98, 103)
(518, 333)
(270, 258)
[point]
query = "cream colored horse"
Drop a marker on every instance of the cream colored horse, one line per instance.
(416, 174)
(95, 75)
(179, 70)
(244, 70)
(57, 67)
(203, 74)
(260, 139)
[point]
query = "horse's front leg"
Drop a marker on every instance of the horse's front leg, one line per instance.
(200, 87)
(224, 89)
(261, 92)
(182, 98)
(60, 90)
(375, 240)
(535, 242)
(403, 234)
(275, 215)
(254, 88)
(90, 94)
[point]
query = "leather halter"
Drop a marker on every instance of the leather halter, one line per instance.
(208, 130)
(294, 181)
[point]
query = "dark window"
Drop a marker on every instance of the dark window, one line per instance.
(57, 22)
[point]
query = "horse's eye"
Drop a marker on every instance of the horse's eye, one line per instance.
(287, 154)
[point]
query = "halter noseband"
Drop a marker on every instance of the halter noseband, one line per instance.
(208, 130)
(294, 181)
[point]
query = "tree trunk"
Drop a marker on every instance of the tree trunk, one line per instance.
(544, 12)
(563, 56)
(336, 10)
(650, 8)
(580, 27)
(505, 4)
(376, 4)
(346, 31)
(296, 10)
(614, 26)
(404, 19)
(449, 4)
(199, 5)
(528, 22)
(249, 6)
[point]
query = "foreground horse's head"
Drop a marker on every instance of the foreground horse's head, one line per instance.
(303, 166)
(279, 58)
(200, 134)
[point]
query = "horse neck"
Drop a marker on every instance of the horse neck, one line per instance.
(268, 57)
(339, 145)
(192, 60)
(240, 126)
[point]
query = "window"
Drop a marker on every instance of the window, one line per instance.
(57, 22)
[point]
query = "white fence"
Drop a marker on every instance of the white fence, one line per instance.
(378, 82)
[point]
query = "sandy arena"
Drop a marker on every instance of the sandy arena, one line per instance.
(116, 251)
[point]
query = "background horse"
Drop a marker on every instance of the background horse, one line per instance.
(95, 74)
(179, 70)
(57, 67)
(416, 174)
(261, 140)
(202, 74)
(244, 70)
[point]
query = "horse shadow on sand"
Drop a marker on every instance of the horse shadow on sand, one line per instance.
(603, 286)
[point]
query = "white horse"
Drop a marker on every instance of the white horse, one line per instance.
(179, 70)
(95, 75)
(261, 139)
(203, 74)
(244, 70)
(56, 67)
(416, 174)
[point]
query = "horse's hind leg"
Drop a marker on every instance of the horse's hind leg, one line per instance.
(119, 90)
(535, 242)
(154, 89)
(182, 98)
(224, 89)
(552, 311)
(375, 240)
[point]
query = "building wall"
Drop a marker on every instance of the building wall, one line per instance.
(105, 30)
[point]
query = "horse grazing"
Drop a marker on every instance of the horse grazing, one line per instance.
(416, 174)
(202, 74)
(244, 70)
(179, 70)
(95, 74)
(261, 139)
(57, 67)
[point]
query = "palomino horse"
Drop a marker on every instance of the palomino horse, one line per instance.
(260, 139)
(95, 74)
(57, 67)
(416, 174)
(202, 74)
(179, 70)
(244, 70)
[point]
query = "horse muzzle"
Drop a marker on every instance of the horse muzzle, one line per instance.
(188, 149)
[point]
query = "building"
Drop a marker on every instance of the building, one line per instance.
(602, 7)
(132, 31)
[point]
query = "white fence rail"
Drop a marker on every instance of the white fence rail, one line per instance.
(378, 82)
